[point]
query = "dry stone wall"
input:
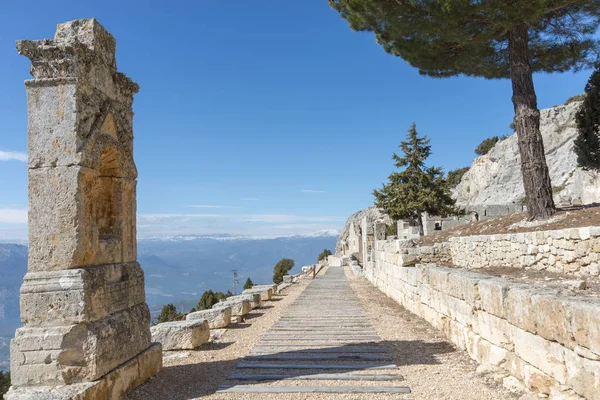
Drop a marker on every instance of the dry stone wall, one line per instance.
(569, 251)
(546, 338)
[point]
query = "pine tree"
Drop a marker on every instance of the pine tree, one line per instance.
(169, 313)
(4, 383)
(417, 188)
(324, 254)
(282, 268)
(491, 39)
(208, 299)
(248, 284)
(587, 143)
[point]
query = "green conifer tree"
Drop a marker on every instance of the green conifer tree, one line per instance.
(168, 313)
(324, 254)
(587, 143)
(417, 188)
(248, 284)
(490, 39)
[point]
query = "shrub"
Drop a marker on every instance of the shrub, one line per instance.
(587, 143)
(248, 284)
(4, 383)
(282, 268)
(324, 254)
(169, 313)
(455, 176)
(210, 298)
(392, 229)
(484, 147)
(579, 97)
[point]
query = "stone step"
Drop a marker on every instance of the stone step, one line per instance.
(303, 350)
(358, 367)
(315, 377)
(279, 357)
(312, 389)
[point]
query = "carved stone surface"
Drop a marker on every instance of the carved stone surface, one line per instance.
(254, 299)
(239, 307)
(181, 335)
(86, 322)
(217, 318)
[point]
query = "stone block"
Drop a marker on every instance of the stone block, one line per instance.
(491, 295)
(53, 298)
(68, 229)
(217, 318)
(493, 329)
(265, 293)
(239, 307)
(254, 299)
(115, 385)
(181, 335)
(585, 323)
(81, 352)
(547, 356)
(582, 375)
(517, 307)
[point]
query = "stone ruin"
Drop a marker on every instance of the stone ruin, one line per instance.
(86, 330)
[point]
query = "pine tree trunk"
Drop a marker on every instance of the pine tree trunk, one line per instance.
(420, 223)
(536, 178)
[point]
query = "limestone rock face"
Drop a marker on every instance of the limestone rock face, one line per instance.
(355, 220)
(181, 335)
(495, 178)
(217, 317)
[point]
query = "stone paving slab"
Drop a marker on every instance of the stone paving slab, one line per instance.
(325, 329)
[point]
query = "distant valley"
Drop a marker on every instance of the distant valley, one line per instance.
(177, 269)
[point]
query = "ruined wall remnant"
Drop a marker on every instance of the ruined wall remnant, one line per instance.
(86, 323)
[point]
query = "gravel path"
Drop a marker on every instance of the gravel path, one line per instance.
(431, 367)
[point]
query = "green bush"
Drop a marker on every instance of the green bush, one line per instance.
(324, 254)
(456, 175)
(169, 313)
(587, 143)
(282, 268)
(484, 147)
(210, 298)
(579, 97)
(392, 229)
(248, 284)
(4, 383)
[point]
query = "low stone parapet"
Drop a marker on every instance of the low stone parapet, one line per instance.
(254, 299)
(569, 251)
(240, 307)
(547, 339)
(265, 292)
(181, 335)
(217, 318)
(282, 287)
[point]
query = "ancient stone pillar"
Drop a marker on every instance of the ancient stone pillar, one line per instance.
(83, 306)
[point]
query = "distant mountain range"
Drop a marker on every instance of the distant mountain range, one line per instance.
(178, 269)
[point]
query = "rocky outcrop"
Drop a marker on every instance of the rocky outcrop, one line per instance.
(372, 214)
(495, 178)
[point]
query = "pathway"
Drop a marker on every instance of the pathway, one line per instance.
(323, 343)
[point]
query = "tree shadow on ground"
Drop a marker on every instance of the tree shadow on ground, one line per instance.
(409, 352)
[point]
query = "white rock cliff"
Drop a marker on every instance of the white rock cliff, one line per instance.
(495, 178)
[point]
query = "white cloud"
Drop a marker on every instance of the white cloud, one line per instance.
(249, 199)
(13, 215)
(209, 206)
(13, 155)
(243, 224)
(312, 191)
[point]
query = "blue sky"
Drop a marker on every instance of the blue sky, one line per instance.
(268, 117)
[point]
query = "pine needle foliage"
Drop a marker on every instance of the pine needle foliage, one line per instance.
(417, 188)
(587, 143)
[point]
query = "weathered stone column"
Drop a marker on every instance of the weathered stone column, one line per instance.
(83, 305)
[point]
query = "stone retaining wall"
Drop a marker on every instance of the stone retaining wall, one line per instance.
(569, 251)
(573, 251)
(548, 340)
